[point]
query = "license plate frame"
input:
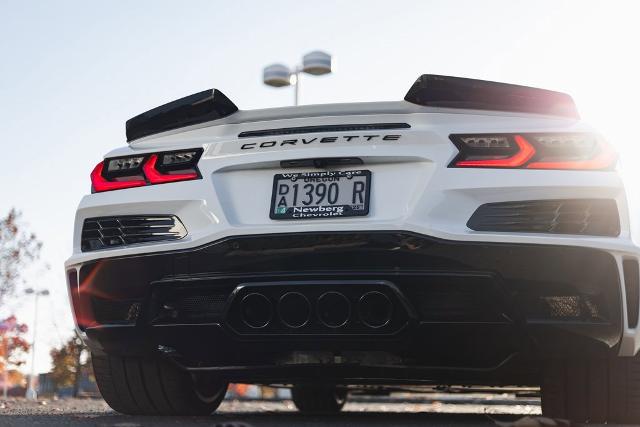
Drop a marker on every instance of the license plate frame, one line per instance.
(336, 211)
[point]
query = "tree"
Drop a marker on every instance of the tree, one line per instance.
(16, 378)
(17, 249)
(68, 362)
(13, 347)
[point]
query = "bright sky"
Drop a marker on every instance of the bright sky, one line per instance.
(72, 73)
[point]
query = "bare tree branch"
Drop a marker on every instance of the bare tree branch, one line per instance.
(18, 249)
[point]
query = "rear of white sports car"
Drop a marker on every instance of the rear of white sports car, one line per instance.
(476, 233)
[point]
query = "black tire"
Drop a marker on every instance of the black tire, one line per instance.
(153, 387)
(318, 399)
(595, 390)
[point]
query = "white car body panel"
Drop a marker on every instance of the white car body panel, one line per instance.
(412, 187)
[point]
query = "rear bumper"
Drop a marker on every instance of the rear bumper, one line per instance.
(462, 307)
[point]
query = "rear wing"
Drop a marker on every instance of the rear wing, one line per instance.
(456, 92)
(200, 107)
(429, 90)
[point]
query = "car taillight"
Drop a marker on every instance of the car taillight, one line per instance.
(571, 151)
(100, 183)
(578, 151)
(170, 167)
(136, 171)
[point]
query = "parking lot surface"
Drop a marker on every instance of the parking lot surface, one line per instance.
(414, 410)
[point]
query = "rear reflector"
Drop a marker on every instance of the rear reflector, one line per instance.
(632, 288)
(74, 294)
(456, 92)
(578, 151)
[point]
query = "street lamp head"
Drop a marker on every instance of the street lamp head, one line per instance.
(276, 75)
(316, 63)
(43, 292)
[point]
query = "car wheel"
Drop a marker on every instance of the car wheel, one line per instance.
(595, 390)
(318, 398)
(155, 387)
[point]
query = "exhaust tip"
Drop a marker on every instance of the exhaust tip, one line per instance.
(375, 309)
(334, 309)
(256, 310)
(294, 309)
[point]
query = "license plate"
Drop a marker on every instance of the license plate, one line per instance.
(327, 194)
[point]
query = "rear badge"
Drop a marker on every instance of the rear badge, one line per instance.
(300, 142)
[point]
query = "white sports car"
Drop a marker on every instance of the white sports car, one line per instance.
(475, 233)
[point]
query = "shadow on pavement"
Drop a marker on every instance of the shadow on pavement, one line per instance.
(260, 419)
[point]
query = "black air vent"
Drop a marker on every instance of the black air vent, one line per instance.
(325, 128)
(597, 217)
(107, 232)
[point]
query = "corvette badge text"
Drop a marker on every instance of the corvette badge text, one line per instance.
(319, 140)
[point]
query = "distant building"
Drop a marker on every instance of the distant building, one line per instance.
(87, 388)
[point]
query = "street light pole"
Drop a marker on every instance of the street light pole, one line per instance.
(296, 87)
(278, 75)
(31, 393)
(5, 371)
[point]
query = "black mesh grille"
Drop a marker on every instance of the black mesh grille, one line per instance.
(597, 217)
(584, 308)
(184, 305)
(456, 299)
(202, 304)
(106, 232)
(110, 312)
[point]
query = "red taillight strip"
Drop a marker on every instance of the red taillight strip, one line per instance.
(603, 160)
(525, 153)
(156, 177)
(101, 184)
(148, 174)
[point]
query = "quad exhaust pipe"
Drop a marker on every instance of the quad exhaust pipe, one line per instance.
(256, 310)
(375, 309)
(294, 310)
(332, 309)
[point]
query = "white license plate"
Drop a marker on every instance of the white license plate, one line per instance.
(327, 194)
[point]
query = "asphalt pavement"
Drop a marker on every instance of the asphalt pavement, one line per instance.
(415, 411)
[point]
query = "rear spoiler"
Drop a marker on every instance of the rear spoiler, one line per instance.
(429, 90)
(456, 92)
(200, 107)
